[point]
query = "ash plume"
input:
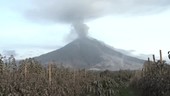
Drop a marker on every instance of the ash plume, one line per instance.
(76, 12)
(80, 29)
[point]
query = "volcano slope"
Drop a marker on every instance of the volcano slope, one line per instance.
(91, 54)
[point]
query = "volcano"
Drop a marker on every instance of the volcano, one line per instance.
(91, 54)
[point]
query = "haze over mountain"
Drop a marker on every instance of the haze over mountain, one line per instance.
(89, 53)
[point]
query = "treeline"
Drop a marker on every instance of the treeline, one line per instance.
(30, 78)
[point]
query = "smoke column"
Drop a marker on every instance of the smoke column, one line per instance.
(80, 29)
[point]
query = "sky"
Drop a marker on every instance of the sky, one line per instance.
(138, 27)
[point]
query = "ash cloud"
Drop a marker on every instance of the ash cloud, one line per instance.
(76, 12)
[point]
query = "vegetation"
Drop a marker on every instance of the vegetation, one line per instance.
(154, 80)
(30, 78)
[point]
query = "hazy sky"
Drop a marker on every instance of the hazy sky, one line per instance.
(32, 27)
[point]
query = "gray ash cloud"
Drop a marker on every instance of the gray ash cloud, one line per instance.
(77, 12)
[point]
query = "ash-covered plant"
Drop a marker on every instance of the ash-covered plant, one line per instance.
(153, 80)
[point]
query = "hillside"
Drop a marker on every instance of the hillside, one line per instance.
(91, 54)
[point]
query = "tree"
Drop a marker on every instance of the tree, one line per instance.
(1, 64)
(12, 62)
(169, 54)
